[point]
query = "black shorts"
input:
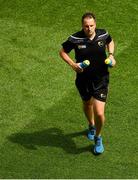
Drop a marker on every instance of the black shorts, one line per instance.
(97, 88)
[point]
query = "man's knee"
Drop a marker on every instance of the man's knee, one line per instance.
(100, 116)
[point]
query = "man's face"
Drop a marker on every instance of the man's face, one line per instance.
(89, 26)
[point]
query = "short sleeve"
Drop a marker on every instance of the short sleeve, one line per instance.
(68, 46)
(108, 39)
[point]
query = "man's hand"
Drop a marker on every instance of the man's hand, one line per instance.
(111, 57)
(76, 67)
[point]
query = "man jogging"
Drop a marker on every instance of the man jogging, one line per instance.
(92, 82)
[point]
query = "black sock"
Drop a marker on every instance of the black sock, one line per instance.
(91, 127)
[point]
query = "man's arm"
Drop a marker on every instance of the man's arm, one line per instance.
(68, 60)
(110, 48)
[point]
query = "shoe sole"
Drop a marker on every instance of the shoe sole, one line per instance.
(98, 152)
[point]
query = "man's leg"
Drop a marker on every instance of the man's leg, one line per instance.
(88, 111)
(98, 107)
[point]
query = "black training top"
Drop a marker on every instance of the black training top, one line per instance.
(92, 50)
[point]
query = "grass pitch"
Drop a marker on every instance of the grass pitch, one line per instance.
(42, 126)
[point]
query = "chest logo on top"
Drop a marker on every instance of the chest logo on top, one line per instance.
(83, 46)
(101, 43)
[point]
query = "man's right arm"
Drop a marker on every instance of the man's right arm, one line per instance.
(68, 60)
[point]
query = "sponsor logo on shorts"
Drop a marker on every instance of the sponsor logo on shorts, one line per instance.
(103, 96)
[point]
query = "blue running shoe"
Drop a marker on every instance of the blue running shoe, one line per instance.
(91, 133)
(98, 147)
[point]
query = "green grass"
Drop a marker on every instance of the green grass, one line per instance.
(41, 121)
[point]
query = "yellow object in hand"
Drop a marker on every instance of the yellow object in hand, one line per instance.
(108, 62)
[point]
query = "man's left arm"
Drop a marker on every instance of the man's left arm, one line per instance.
(110, 47)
